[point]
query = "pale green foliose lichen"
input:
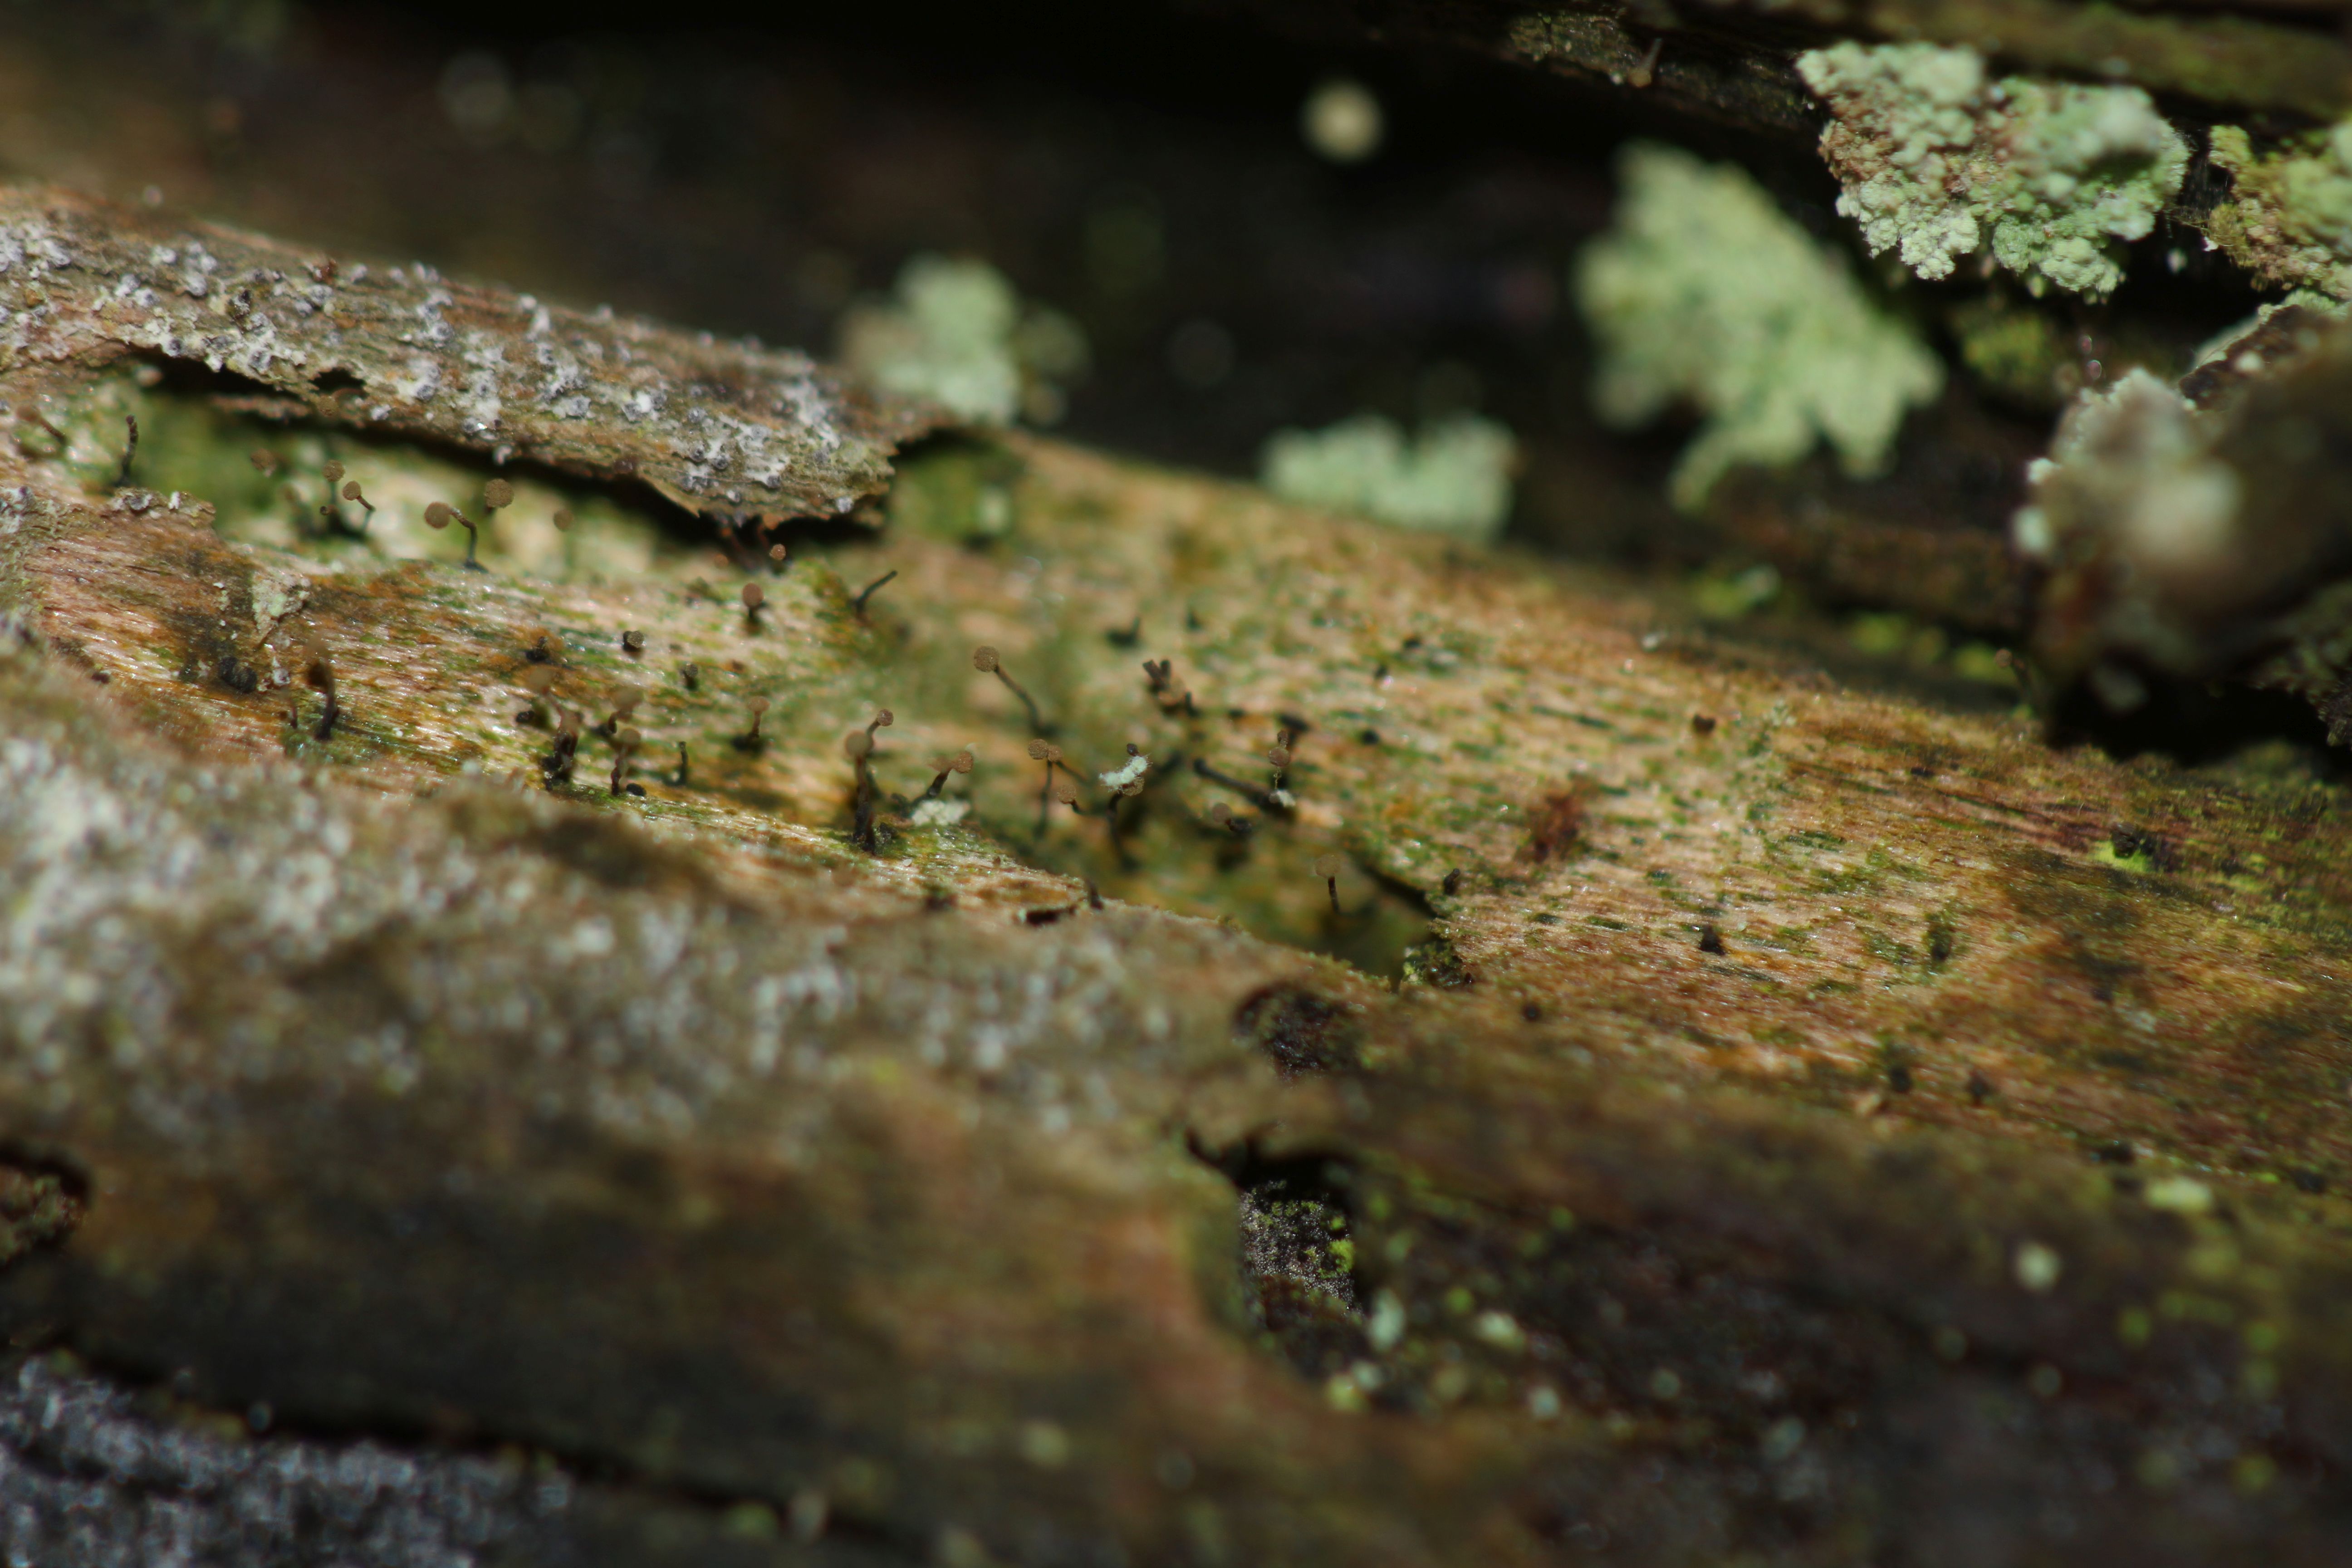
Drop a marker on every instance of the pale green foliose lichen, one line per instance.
(956, 333)
(1937, 162)
(2288, 219)
(1454, 479)
(1705, 293)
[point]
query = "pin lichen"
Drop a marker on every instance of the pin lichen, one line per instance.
(1704, 292)
(1935, 161)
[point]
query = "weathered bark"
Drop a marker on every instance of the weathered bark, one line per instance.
(1723, 1178)
(1731, 62)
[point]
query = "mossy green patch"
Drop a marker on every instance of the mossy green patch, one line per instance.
(2288, 217)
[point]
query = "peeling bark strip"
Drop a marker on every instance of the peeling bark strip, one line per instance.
(726, 430)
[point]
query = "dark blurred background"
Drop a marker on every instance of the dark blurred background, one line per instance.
(1139, 166)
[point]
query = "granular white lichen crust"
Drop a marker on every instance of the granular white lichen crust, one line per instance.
(730, 430)
(1937, 162)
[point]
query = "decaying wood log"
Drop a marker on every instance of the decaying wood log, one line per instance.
(1813, 1126)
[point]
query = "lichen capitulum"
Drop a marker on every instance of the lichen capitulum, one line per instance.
(1328, 868)
(1045, 752)
(441, 514)
(858, 747)
(330, 512)
(625, 702)
(351, 492)
(1161, 675)
(624, 748)
(318, 673)
(988, 661)
(556, 766)
(959, 763)
(751, 739)
(539, 679)
(755, 600)
(1278, 758)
